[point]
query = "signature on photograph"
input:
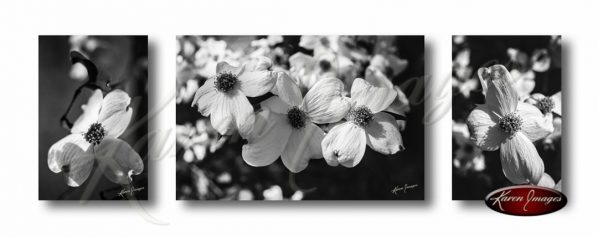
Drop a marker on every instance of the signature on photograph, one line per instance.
(125, 191)
(403, 189)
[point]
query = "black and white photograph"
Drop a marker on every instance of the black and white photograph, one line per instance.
(300, 117)
(507, 118)
(93, 108)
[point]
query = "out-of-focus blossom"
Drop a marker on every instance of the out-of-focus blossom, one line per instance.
(263, 46)
(208, 55)
(308, 70)
(461, 66)
(462, 73)
(459, 39)
(465, 87)
(286, 126)
(466, 156)
(297, 196)
(202, 182)
(540, 60)
(222, 97)
(198, 140)
(506, 123)
(110, 54)
(366, 124)
(320, 44)
(273, 193)
(523, 82)
(389, 63)
(186, 93)
(94, 136)
(224, 178)
(524, 68)
(84, 44)
(245, 195)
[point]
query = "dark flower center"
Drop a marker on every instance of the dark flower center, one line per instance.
(95, 134)
(511, 123)
(325, 65)
(361, 115)
(225, 81)
(545, 105)
(296, 117)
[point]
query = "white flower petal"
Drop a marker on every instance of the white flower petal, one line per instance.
(559, 186)
(344, 144)
(304, 144)
(287, 90)
(483, 77)
(324, 102)
(90, 114)
(309, 41)
(484, 129)
(225, 67)
(501, 93)
(205, 97)
(256, 83)
(375, 98)
(118, 160)
(535, 125)
(523, 83)
(69, 155)
(115, 114)
(276, 105)
(376, 78)
(230, 109)
(400, 105)
(546, 181)
(267, 140)
(520, 161)
(302, 61)
(260, 63)
(256, 80)
(556, 98)
(383, 134)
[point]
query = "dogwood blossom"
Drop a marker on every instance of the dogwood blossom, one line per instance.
(286, 126)
(506, 123)
(222, 97)
(366, 124)
(94, 137)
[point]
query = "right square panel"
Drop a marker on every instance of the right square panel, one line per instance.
(506, 113)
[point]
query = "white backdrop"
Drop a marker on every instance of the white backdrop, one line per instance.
(22, 21)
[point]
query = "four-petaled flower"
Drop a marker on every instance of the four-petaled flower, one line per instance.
(222, 97)
(506, 123)
(366, 124)
(285, 127)
(94, 136)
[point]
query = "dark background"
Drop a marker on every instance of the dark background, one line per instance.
(124, 58)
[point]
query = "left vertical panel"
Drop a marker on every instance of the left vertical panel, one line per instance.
(93, 107)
